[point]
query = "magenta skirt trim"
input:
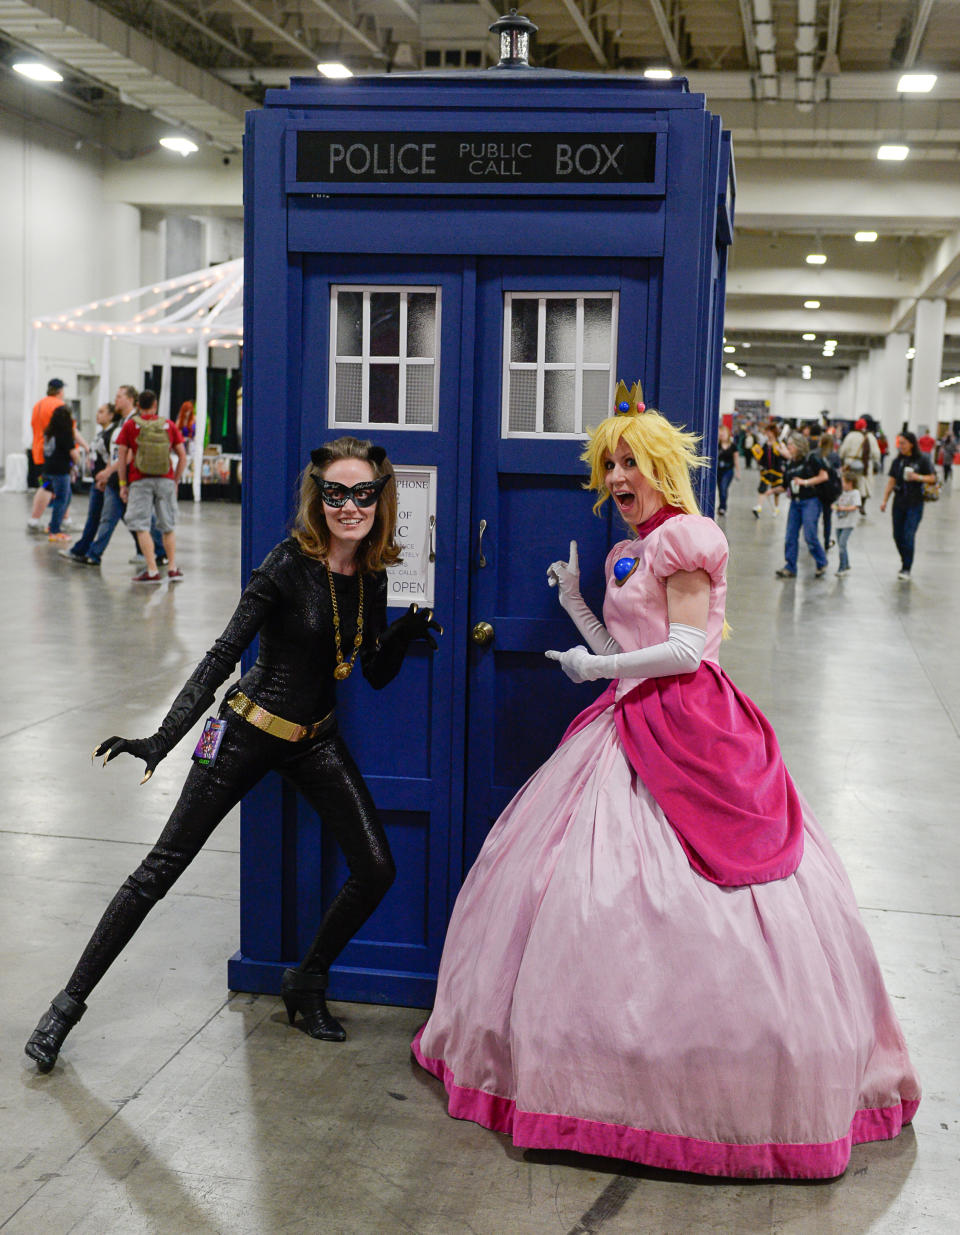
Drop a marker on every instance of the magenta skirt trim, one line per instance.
(532, 1130)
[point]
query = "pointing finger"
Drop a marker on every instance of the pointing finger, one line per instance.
(574, 560)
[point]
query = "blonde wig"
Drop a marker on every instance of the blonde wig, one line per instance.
(378, 549)
(664, 454)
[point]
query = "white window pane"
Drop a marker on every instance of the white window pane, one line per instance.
(559, 401)
(348, 408)
(523, 401)
(596, 397)
(421, 324)
(561, 331)
(523, 331)
(384, 324)
(597, 323)
(349, 323)
(419, 406)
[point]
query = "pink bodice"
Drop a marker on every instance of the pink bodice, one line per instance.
(635, 613)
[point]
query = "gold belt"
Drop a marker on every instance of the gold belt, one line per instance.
(276, 726)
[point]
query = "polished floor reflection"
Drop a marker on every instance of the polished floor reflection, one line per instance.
(180, 1108)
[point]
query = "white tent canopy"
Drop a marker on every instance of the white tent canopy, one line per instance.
(202, 309)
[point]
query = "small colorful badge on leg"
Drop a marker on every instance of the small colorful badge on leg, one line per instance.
(210, 739)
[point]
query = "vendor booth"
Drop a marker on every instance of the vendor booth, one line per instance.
(460, 267)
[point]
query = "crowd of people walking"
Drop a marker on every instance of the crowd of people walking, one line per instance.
(827, 476)
(135, 464)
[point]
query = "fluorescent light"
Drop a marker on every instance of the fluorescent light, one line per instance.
(917, 83)
(658, 74)
(816, 259)
(37, 71)
(732, 364)
(893, 154)
(808, 337)
(865, 237)
(830, 343)
(180, 145)
(811, 304)
(744, 344)
(729, 348)
(806, 373)
(334, 68)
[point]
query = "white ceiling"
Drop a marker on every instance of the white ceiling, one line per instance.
(807, 87)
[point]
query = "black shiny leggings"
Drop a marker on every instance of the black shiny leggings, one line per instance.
(324, 772)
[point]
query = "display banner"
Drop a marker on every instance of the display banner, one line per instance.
(412, 579)
(476, 158)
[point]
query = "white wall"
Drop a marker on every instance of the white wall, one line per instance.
(62, 243)
(789, 397)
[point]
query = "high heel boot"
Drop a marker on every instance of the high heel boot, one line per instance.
(305, 993)
(44, 1043)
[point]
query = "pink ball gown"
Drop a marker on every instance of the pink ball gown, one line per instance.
(657, 955)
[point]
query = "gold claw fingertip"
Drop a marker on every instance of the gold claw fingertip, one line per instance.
(105, 758)
(439, 630)
(147, 777)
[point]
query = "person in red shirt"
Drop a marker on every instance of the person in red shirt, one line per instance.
(146, 488)
(43, 409)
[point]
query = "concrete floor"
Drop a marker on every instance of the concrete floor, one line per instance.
(180, 1108)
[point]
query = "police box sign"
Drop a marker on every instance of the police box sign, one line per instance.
(476, 158)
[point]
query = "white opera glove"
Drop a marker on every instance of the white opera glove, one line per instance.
(681, 653)
(565, 576)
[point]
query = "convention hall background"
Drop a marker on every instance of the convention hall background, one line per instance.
(183, 1108)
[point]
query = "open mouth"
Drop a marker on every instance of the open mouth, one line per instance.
(624, 499)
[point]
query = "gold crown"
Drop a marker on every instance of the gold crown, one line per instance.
(628, 402)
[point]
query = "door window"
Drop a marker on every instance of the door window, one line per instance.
(384, 344)
(558, 362)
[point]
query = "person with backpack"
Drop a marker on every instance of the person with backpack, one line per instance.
(148, 482)
(832, 487)
(860, 453)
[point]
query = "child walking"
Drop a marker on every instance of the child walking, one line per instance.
(847, 507)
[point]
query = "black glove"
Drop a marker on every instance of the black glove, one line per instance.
(416, 623)
(185, 711)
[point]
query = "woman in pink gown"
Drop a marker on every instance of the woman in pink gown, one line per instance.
(657, 955)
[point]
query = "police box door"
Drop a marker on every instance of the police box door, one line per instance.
(381, 359)
(552, 338)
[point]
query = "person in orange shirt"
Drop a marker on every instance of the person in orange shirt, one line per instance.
(43, 409)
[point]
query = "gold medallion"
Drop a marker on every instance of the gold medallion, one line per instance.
(342, 671)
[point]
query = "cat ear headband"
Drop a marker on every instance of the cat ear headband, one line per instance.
(324, 455)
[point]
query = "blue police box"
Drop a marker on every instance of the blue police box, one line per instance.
(460, 267)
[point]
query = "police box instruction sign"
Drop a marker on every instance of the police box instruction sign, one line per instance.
(476, 158)
(412, 579)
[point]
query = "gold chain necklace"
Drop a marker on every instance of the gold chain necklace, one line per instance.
(344, 668)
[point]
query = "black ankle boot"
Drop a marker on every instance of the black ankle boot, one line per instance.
(304, 993)
(45, 1041)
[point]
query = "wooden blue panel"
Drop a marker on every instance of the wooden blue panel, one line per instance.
(664, 249)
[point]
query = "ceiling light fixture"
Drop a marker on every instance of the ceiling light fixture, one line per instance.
(811, 304)
(744, 344)
(893, 154)
(808, 337)
(916, 83)
(37, 71)
(334, 69)
(658, 74)
(180, 145)
(865, 237)
(729, 349)
(816, 259)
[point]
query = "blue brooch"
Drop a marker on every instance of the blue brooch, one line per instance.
(623, 569)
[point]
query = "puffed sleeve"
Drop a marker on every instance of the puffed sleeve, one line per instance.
(260, 596)
(690, 542)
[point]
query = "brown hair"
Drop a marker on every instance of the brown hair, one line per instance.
(378, 549)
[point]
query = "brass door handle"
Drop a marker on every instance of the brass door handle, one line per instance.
(482, 634)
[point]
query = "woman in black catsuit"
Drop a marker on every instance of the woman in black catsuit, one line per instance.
(318, 602)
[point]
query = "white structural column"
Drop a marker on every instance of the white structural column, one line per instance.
(927, 364)
(105, 390)
(203, 356)
(862, 404)
(875, 378)
(166, 380)
(892, 409)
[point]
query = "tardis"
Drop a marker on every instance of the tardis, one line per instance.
(460, 267)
